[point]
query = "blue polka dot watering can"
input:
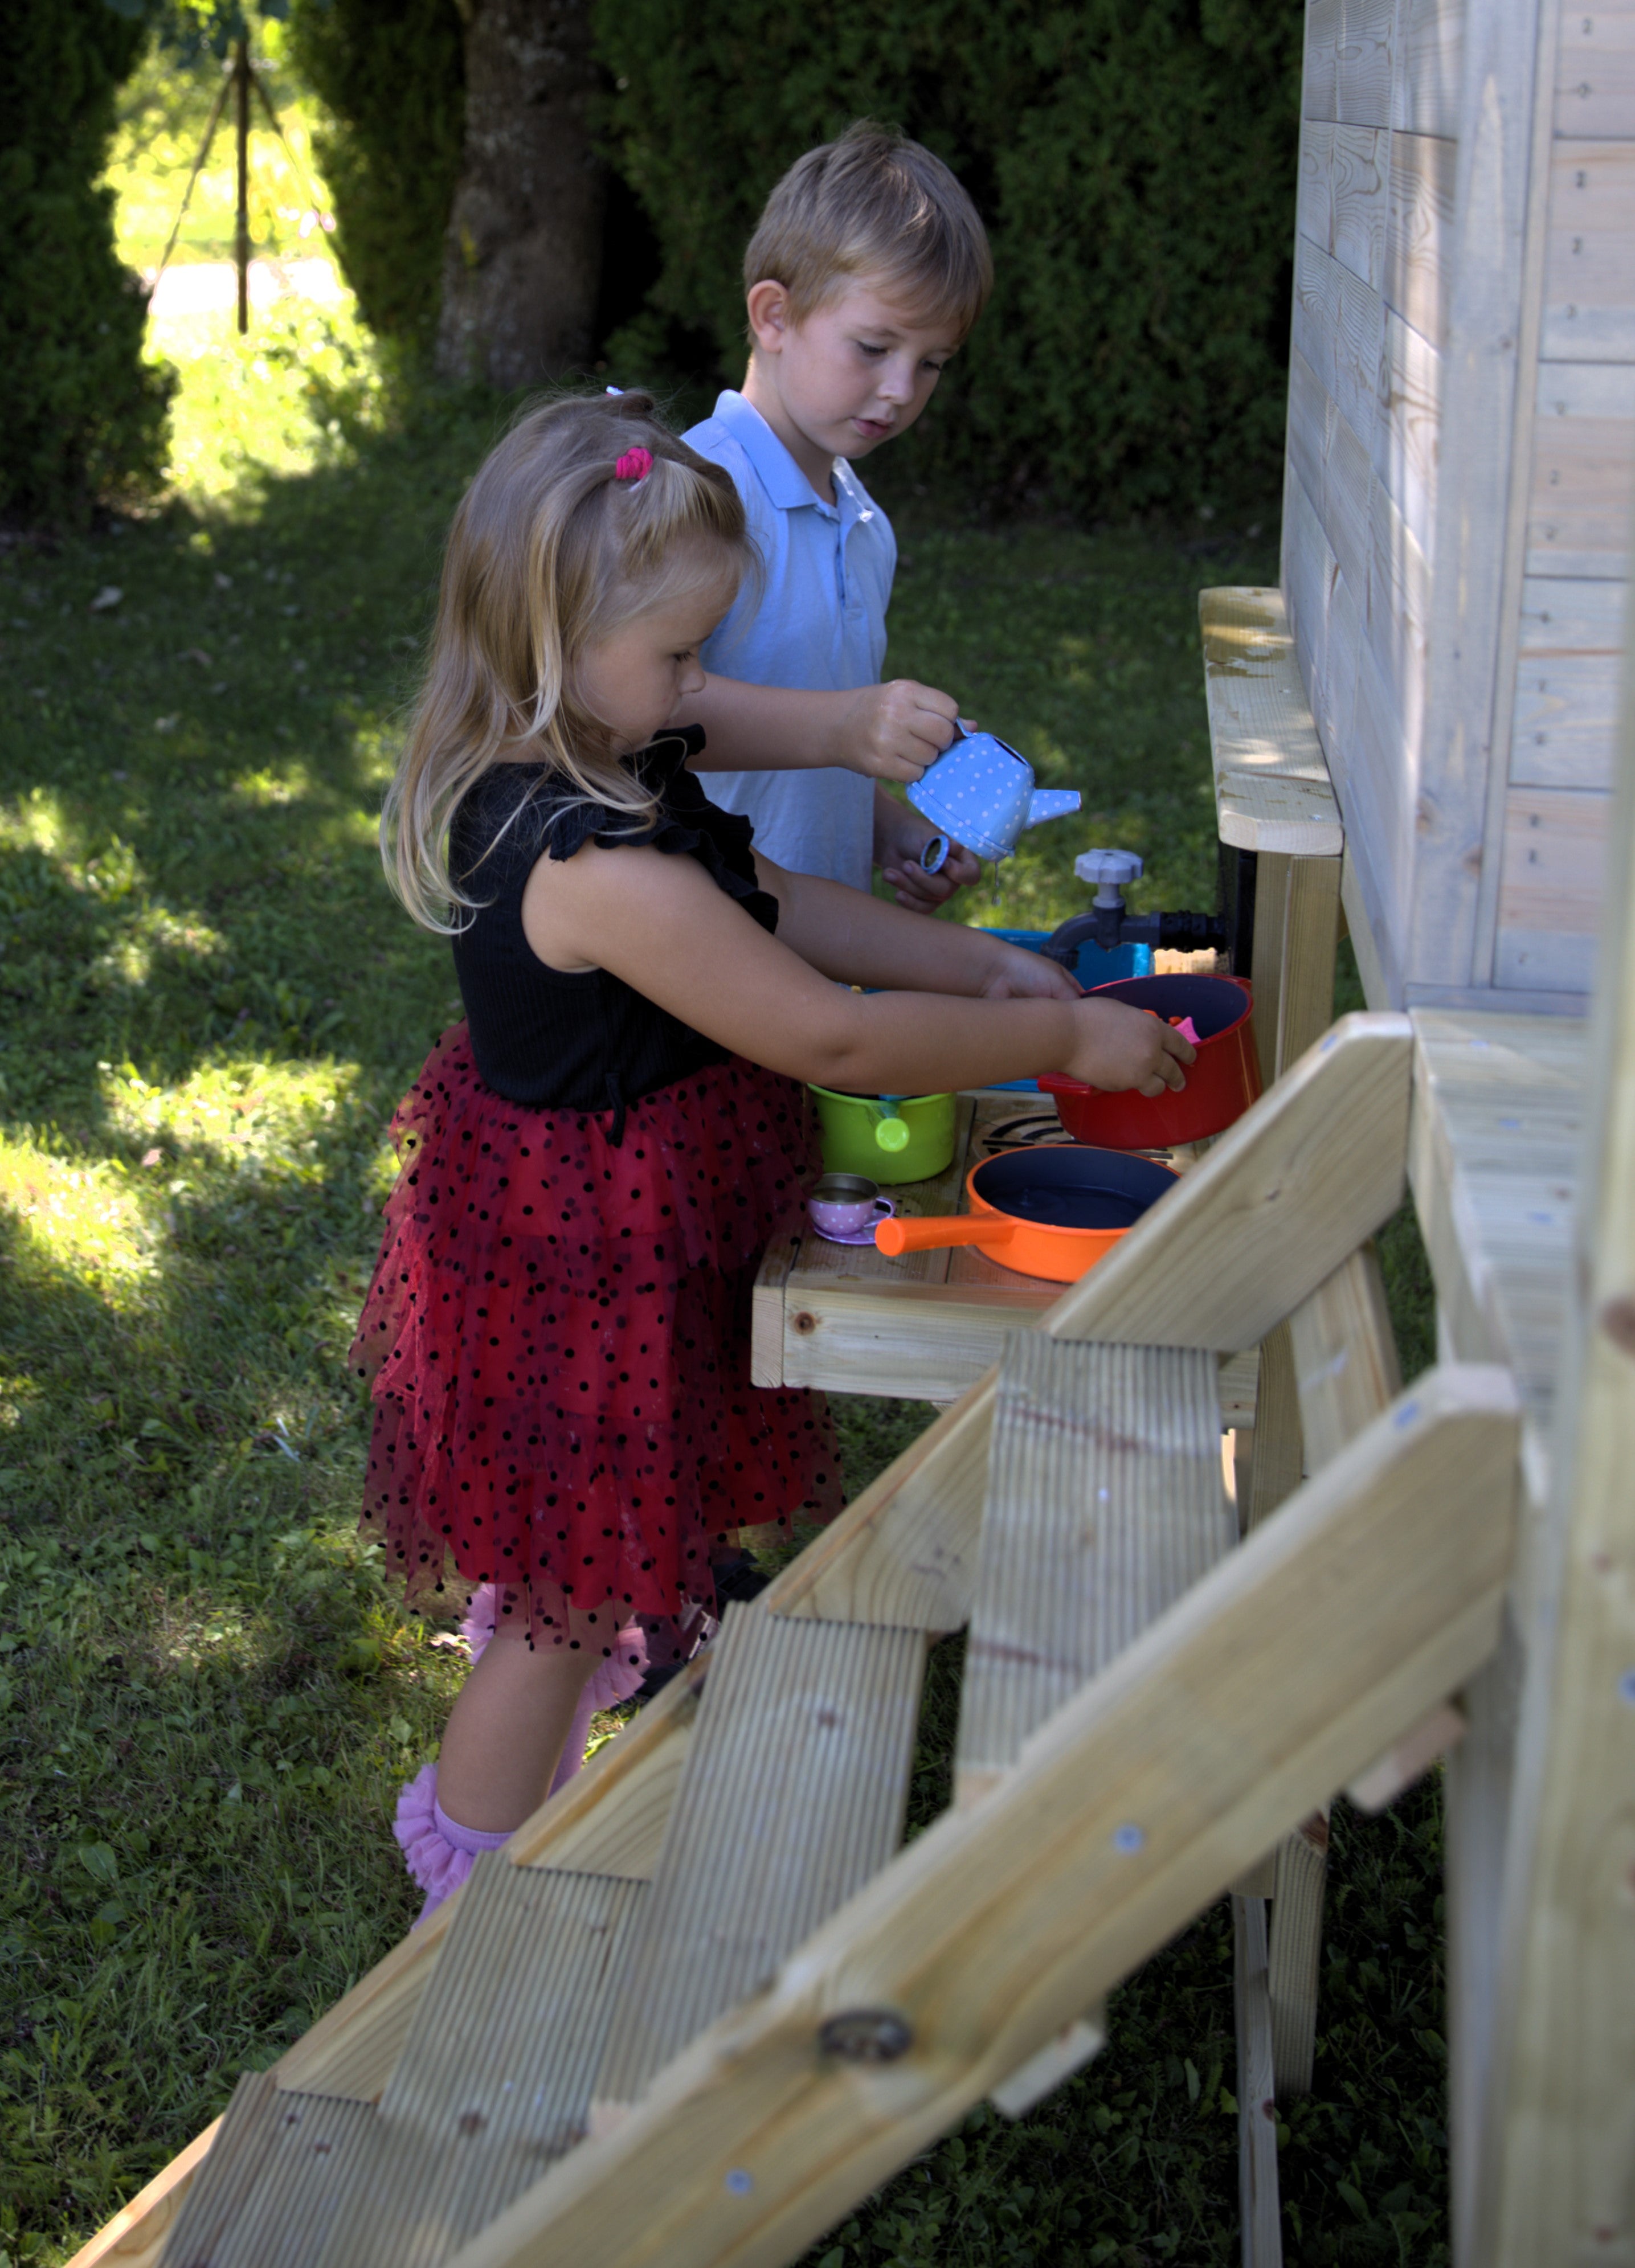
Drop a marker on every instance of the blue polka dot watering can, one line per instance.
(980, 792)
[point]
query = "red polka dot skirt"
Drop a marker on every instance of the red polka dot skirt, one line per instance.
(557, 1340)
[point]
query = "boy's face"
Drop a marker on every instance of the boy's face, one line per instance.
(855, 371)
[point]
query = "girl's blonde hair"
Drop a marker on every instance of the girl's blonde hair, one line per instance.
(549, 554)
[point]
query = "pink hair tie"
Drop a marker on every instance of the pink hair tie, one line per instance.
(633, 465)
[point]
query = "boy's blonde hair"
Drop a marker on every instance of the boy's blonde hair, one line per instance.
(874, 204)
(549, 554)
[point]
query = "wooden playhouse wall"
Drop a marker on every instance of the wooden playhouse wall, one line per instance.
(1461, 436)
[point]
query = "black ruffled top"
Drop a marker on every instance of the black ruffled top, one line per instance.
(588, 1041)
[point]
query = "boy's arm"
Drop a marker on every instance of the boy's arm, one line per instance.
(884, 732)
(900, 832)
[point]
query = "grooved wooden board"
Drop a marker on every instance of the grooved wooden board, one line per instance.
(794, 1796)
(1105, 1503)
(494, 2082)
(267, 2193)
(1272, 791)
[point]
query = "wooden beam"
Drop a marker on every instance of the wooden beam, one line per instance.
(1294, 1660)
(1272, 791)
(1274, 1207)
(1554, 2181)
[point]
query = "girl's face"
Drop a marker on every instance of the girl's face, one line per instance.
(633, 680)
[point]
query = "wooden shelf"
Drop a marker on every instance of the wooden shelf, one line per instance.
(1272, 789)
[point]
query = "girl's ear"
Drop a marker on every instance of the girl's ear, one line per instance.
(767, 305)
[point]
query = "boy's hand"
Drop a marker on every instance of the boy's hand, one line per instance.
(1117, 1047)
(893, 732)
(900, 832)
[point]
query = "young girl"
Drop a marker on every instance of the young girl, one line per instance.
(557, 1331)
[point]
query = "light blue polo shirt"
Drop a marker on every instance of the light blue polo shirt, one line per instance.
(819, 623)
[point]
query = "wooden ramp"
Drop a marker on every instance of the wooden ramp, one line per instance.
(702, 2002)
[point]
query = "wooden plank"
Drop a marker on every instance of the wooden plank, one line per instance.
(1562, 733)
(1583, 488)
(1563, 617)
(1552, 890)
(1555, 2178)
(1362, 63)
(1359, 194)
(1359, 922)
(1497, 1127)
(1344, 1369)
(1359, 338)
(1311, 930)
(1399, 613)
(1272, 896)
(1314, 313)
(1347, 486)
(794, 1796)
(1309, 572)
(279, 2213)
(1322, 40)
(1419, 239)
(1260, 2219)
(766, 1314)
(885, 1340)
(1313, 206)
(132, 2239)
(1105, 1503)
(605, 1820)
(1274, 1207)
(1309, 411)
(1407, 436)
(1444, 792)
(1344, 1356)
(1430, 66)
(1271, 782)
(1595, 70)
(1043, 2072)
(1275, 1468)
(1294, 1660)
(1337, 695)
(1589, 271)
(495, 2080)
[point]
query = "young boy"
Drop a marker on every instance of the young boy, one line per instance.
(867, 270)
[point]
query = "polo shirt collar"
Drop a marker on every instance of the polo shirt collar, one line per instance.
(782, 478)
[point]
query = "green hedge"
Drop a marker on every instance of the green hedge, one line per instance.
(82, 417)
(1135, 161)
(392, 74)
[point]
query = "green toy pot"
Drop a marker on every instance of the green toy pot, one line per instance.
(894, 1137)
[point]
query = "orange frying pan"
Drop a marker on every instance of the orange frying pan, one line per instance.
(1052, 1212)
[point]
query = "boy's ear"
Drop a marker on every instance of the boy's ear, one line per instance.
(767, 305)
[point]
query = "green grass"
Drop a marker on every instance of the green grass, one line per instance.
(208, 1005)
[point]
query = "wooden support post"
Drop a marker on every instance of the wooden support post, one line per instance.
(1555, 2177)
(1260, 2220)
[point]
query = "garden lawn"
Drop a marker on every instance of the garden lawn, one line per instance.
(209, 1005)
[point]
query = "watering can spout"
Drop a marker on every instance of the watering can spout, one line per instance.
(1051, 803)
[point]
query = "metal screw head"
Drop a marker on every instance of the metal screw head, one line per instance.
(866, 2035)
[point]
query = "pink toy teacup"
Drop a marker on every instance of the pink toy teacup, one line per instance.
(848, 1205)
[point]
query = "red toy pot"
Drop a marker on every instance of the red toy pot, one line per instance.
(1221, 1085)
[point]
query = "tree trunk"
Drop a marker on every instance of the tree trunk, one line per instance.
(523, 256)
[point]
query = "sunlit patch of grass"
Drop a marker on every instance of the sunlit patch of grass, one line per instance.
(255, 1117)
(84, 1217)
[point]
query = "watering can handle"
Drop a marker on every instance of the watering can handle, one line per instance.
(894, 1238)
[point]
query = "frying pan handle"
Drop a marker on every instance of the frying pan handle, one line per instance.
(894, 1238)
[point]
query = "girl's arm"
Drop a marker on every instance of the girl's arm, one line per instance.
(886, 732)
(859, 939)
(662, 923)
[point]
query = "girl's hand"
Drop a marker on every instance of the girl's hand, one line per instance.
(1019, 975)
(900, 832)
(1117, 1047)
(891, 731)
